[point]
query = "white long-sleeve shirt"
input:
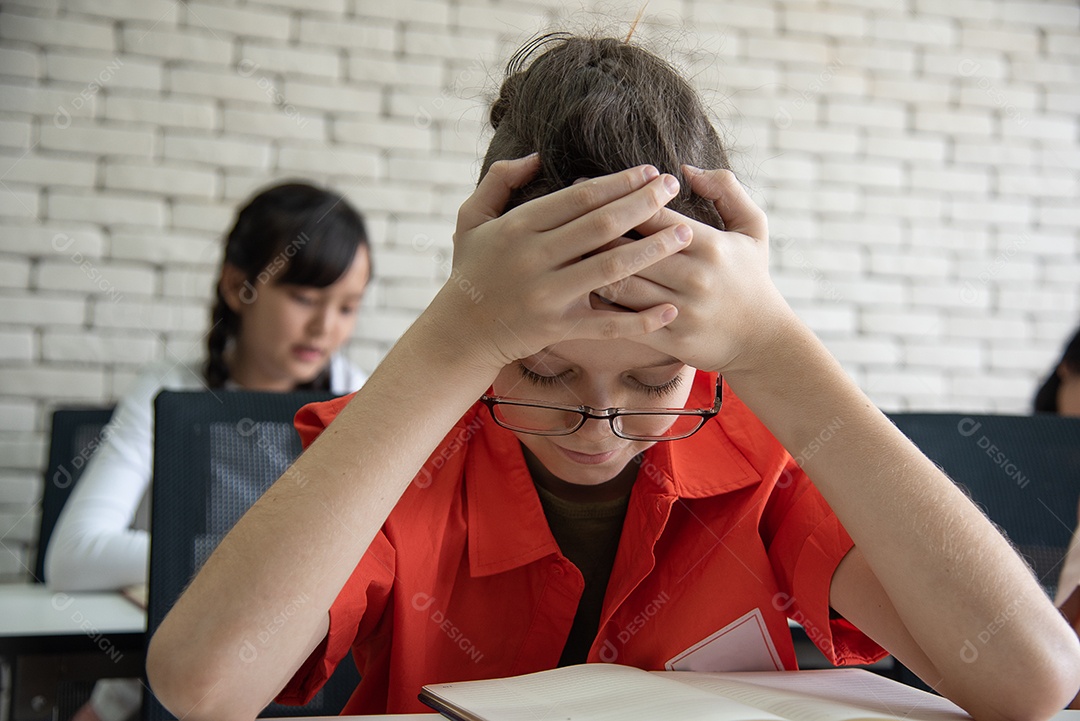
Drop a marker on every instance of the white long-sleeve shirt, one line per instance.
(100, 541)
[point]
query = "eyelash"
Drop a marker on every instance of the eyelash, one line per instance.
(537, 379)
(656, 391)
(663, 389)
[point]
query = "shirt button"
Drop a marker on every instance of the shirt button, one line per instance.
(557, 570)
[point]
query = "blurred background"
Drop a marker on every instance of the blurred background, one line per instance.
(918, 162)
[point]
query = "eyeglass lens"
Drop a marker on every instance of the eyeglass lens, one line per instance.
(554, 421)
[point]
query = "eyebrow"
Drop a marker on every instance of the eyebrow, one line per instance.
(668, 361)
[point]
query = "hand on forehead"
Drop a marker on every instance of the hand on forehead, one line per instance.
(737, 211)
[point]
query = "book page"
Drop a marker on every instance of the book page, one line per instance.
(591, 692)
(825, 695)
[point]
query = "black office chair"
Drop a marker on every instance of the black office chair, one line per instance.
(1023, 471)
(58, 684)
(76, 433)
(214, 455)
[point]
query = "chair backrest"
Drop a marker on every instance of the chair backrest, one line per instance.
(76, 434)
(214, 455)
(1023, 471)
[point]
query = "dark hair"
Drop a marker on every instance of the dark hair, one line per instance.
(1046, 399)
(293, 233)
(595, 106)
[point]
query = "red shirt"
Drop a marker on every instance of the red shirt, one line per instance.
(725, 538)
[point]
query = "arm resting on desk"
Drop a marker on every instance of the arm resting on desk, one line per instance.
(928, 574)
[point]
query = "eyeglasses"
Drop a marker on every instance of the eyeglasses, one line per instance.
(633, 424)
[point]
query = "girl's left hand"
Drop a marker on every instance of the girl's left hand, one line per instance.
(728, 304)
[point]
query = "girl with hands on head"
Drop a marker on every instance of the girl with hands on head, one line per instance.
(591, 459)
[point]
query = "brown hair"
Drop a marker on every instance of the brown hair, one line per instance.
(595, 106)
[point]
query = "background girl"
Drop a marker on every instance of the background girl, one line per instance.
(295, 266)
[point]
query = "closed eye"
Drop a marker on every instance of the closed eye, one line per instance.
(656, 391)
(663, 389)
(304, 299)
(537, 379)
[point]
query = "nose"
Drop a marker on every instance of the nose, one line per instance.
(320, 321)
(595, 430)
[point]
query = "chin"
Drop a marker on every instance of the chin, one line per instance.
(582, 474)
(591, 478)
(302, 373)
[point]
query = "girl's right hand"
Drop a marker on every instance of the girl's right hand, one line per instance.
(521, 280)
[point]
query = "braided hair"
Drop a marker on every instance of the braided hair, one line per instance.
(297, 233)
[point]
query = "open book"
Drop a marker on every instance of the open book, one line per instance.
(595, 692)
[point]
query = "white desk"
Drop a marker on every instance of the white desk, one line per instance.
(34, 610)
(48, 637)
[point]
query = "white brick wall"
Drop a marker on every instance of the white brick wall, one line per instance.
(917, 160)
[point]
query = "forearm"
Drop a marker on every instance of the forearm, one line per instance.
(947, 571)
(944, 577)
(94, 560)
(310, 529)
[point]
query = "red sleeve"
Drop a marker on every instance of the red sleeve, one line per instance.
(358, 608)
(806, 543)
(354, 615)
(313, 418)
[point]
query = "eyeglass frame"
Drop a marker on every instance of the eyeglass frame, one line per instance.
(586, 413)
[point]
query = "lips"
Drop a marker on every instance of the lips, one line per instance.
(589, 459)
(307, 353)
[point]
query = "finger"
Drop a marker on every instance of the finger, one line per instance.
(740, 213)
(666, 218)
(634, 293)
(491, 195)
(672, 273)
(596, 302)
(559, 208)
(606, 325)
(623, 240)
(614, 220)
(616, 264)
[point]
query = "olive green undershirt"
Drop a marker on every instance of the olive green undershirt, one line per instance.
(588, 535)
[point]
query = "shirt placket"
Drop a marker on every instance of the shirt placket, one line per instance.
(632, 565)
(553, 615)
